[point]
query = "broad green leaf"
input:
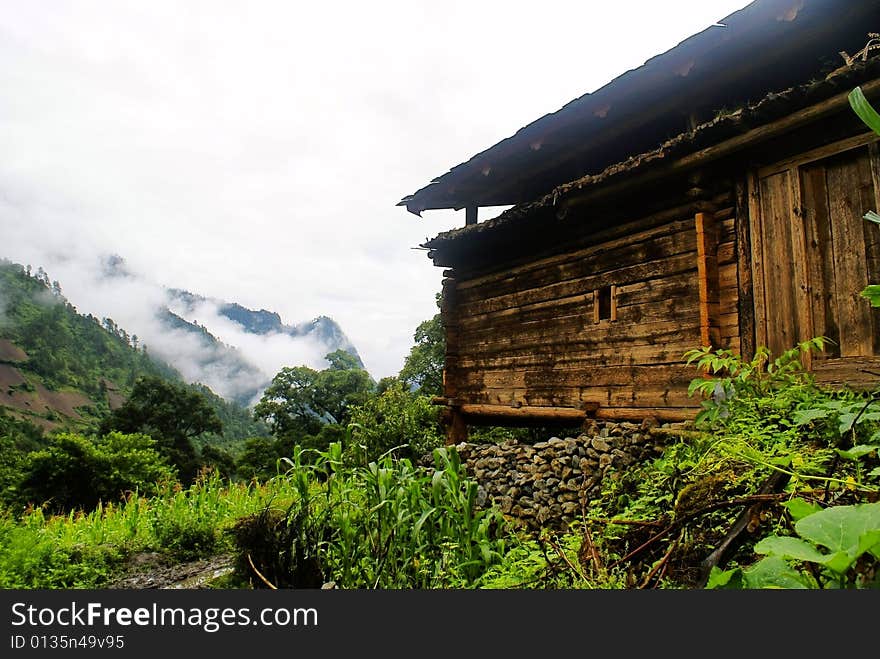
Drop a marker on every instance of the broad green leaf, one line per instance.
(874, 472)
(421, 521)
(858, 451)
(840, 528)
(787, 547)
(798, 508)
(839, 561)
(870, 542)
(773, 572)
(872, 292)
(871, 216)
(846, 421)
(863, 109)
(802, 417)
(728, 579)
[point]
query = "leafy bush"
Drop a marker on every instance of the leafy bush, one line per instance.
(767, 434)
(74, 471)
(173, 414)
(219, 460)
(838, 547)
(731, 381)
(188, 524)
(286, 544)
(186, 538)
(86, 549)
(399, 419)
(18, 438)
(259, 459)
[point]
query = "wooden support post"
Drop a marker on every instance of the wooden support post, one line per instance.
(745, 292)
(613, 302)
(756, 232)
(470, 215)
(456, 428)
(707, 273)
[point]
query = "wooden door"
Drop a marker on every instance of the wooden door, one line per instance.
(813, 253)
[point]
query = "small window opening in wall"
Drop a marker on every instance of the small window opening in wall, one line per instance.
(605, 304)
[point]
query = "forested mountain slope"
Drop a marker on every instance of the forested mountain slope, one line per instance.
(59, 368)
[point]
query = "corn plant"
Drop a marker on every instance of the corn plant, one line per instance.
(386, 524)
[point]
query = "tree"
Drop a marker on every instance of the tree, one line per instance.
(396, 418)
(18, 438)
(223, 462)
(288, 405)
(259, 460)
(172, 414)
(341, 387)
(423, 367)
(300, 400)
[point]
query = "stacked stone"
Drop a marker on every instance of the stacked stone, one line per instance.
(549, 484)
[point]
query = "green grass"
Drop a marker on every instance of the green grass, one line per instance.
(87, 549)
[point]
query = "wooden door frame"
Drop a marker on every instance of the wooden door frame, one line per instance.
(756, 264)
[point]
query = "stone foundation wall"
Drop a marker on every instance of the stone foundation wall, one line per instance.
(548, 483)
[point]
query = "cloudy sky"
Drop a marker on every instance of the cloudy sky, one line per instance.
(254, 151)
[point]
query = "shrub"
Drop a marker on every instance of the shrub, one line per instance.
(259, 459)
(395, 419)
(837, 547)
(74, 471)
(186, 538)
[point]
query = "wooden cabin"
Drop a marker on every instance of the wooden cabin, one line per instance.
(712, 197)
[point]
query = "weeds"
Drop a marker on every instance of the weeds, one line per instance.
(87, 549)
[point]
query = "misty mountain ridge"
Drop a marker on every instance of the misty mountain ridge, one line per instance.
(323, 328)
(233, 350)
(223, 361)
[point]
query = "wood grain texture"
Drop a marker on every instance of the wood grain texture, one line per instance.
(844, 185)
(820, 263)
(756, 230)
(849, 372)
(707, 279)
(745, 299)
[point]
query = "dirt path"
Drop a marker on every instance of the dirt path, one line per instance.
(151, 570)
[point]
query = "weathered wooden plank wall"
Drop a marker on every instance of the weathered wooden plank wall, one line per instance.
(779, 258)
(528, 335)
